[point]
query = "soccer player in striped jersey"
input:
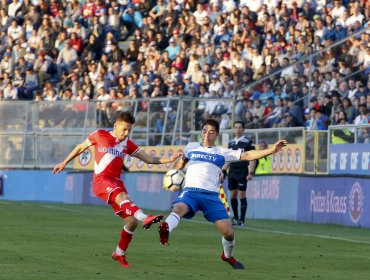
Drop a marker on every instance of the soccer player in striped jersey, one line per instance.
(110, 149)
(204, 164)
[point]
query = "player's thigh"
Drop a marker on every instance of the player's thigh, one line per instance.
(213, 208)
(187, 204)
(108, 188)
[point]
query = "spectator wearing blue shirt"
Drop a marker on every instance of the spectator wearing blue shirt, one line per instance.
(173, 49)
(339, 33)
(266, 93)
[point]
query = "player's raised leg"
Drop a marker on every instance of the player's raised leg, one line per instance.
(131, 209)
(172, 221)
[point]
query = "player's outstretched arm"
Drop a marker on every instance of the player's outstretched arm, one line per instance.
(181, 163)
(79, 149)
(257, 154)
(148, 158)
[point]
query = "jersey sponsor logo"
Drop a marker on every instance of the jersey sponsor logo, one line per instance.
(356, 202)
(205, 157)
(108, 157)
(112, 151)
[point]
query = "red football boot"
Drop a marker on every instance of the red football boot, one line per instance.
(232, 261)
(151, 220)
(163, 233)
(121, 259)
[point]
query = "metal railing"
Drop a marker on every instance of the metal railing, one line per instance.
(39, 134)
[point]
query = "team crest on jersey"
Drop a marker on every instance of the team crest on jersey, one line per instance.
(85, 158)
(356, 202)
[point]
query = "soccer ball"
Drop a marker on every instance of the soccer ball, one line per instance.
(173, 180)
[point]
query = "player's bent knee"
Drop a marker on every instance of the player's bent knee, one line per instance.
(118, 197)
(131, 223)
(180, 209)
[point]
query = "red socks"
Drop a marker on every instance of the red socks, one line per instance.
(129, 208)
(125, 240)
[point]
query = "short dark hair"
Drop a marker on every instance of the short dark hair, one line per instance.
(125, 117)
(241, 122)
(212, 122)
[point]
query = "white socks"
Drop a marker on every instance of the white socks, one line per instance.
(228, 247)
(140, 215)
(172, 220)
(119, 251)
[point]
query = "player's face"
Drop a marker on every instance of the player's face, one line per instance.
(209, 135)
(122, 130)
(238, 130)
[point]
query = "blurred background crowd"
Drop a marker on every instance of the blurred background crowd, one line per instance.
(255, 52)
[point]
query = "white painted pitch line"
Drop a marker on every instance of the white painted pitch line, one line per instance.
(4, 202)
(63, 209)
(246, 228)
(292, 233)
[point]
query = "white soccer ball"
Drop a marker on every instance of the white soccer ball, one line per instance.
(173, 180)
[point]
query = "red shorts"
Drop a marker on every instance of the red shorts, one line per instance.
(107, 188)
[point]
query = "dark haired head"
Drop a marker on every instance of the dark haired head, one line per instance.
(125, 117)
(241, 122)
(213, 123)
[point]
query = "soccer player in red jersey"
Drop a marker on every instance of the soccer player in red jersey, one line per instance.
(110, 149)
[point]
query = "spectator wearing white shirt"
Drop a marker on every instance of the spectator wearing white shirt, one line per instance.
(6, 64)
(337, 10)
(356, 16)
(256, 59)
(215, 84)
(14, 8)
(271, 5)
(228, 6)
(254, 6)
(10, 92)
(15, 30)
(200, 14)
(226, 62)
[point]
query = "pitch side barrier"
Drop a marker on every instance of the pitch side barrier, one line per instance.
(342, 200)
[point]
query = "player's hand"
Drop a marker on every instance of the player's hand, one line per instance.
(222, 177)
(59, 167)
(249, 177)
(279, 145)
(176, 156)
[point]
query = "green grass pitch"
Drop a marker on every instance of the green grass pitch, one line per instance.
(57, 241)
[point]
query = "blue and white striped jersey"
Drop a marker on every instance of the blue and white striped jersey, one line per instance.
(205, 164)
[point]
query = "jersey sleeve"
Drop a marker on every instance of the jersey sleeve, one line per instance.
(232, 155)
(132, 148)
(186, 152)
(92, 138)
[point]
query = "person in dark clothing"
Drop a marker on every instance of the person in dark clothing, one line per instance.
(239, 173)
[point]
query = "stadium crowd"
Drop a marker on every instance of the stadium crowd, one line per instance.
(72, 50)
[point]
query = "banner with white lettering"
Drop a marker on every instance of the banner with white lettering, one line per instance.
(340, 200)
(349, 159)
(272, 197)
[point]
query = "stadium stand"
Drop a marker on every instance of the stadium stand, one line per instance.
(286, 63)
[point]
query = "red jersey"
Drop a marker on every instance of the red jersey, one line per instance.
(109, 152)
